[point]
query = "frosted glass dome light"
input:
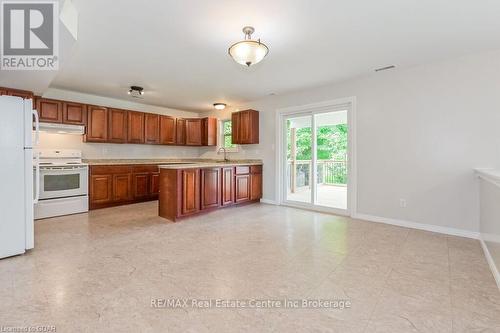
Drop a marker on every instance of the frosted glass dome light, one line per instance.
(248, 52)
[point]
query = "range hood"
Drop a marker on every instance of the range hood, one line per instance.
(62, 128)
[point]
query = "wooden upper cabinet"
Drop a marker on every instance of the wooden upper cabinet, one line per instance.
(190, 192)
(180, 128)
(97, 124)
(16, 92)
(209, 135)
(74, 113)
(117, 126)
(49, 110)
(152, 128)
(245, 125)
(210, 188)
(167, 130)
(194, 132)
(135, 127)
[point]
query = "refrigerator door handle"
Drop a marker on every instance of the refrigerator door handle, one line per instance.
(37, 127)
(37, 178)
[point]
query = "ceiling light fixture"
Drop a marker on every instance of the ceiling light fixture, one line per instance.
(136, 91)
(248, 52)
(219, 106)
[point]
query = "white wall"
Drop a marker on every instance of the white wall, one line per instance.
(420, 132)
(489, 212)
(99, 150)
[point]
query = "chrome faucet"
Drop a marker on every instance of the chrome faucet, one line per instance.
(225, 153)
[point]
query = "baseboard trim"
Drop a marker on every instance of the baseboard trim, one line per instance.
(491, 262)
(269, 202)
(419, 226)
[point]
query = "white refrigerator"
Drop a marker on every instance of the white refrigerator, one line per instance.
(19, 172)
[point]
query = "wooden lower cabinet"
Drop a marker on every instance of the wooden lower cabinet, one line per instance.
(141, 185)
(242, 188)
(154, 181)
(210, 188)
(255, 182)
(227, 186)
(101, 189)
(190, 191)
(185, 192)
(122, 188)
(122, 184)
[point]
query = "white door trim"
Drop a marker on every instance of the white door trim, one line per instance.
(337, 104)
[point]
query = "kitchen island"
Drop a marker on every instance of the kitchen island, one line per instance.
(196, 188)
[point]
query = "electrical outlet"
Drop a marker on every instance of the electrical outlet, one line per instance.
(402, 203)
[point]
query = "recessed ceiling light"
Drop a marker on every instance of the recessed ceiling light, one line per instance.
(136, 91)
(219, 106)
(248, 51)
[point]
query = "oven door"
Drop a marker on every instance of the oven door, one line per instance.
(64, 181)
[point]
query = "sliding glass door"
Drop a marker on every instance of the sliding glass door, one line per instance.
(315, 153)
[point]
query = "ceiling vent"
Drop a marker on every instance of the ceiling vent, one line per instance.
(136, 91)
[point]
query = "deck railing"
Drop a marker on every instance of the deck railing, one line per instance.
(330, 172)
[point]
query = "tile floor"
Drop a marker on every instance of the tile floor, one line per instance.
(98, 272)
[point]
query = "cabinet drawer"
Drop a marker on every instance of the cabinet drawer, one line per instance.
(145, 168)
(242, 170)
(109, 169)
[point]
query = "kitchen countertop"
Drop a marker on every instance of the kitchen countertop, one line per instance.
(212, 164)
(176, 163)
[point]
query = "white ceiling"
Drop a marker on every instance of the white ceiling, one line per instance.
(177, 50)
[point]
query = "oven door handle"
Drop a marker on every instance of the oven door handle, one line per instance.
(37, 178)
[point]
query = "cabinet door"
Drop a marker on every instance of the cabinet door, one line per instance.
(245, 127)
(49, 110)
(135, 127)
(154, 184)
(210, 188)
(180, 135)
(244, 130)
(117, 126)
(209, 132)
(256, 186)
(141, 185)
(74, 113)
(235, 125)
(167, 130)
(193, 132)
(242, 188)
(227, 186)
(152, 128)
(101, 189)
(97, 124)
(121, 187)
(190, 191)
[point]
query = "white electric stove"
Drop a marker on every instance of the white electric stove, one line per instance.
(63, 183)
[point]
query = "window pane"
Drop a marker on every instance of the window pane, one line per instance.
(227, 127)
